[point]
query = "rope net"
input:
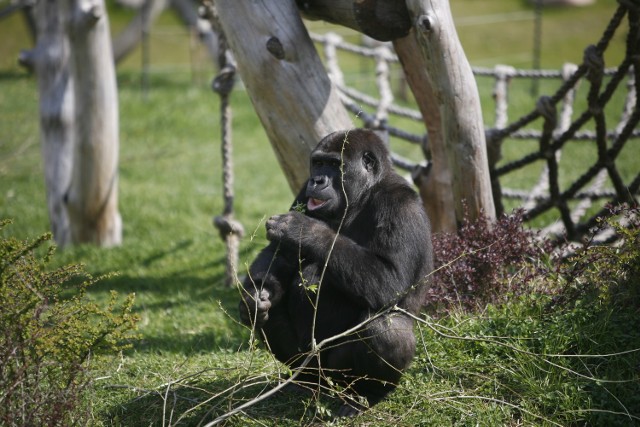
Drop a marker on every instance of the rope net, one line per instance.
(601, 164)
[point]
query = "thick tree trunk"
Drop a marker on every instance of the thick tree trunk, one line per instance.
(457, 96)
(285, 78)
(50, 59)
(436, 186)
(92, 198)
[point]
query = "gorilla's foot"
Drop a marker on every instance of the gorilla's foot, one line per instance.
(298, 389)
(350, 408)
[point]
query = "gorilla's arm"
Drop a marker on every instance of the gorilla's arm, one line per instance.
(375, 268)
(267, 281)
(265, 285)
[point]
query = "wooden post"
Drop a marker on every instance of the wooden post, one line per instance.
(50, 60)
(457, 96)
(92, 199)
(288, 85)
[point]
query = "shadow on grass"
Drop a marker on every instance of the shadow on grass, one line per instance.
(198, 400)
(182, 311)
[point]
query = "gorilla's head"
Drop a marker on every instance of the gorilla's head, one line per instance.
(345, 165)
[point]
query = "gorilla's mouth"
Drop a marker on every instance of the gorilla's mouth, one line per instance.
(314, 204)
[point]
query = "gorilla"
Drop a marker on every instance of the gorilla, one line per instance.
(355, 245)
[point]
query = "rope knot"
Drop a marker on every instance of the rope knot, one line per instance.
(224, 81)
(594, 62)
(504, 72)
(494, 140)
(547, 109)
(421, 172)
(492, 135)
(228, 226)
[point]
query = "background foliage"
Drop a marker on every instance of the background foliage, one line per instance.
(48, 338)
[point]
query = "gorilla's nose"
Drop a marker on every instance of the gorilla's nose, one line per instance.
(320, 181)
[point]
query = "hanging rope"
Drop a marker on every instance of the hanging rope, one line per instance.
(231, 231)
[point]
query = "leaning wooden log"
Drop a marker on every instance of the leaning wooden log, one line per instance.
(92, 199)
(456, 94)
(288, 85)
(382, 20)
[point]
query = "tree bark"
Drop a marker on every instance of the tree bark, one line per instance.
(456, 93)
(92, 199)
(288, 85)
(50, 59)
(436, 186)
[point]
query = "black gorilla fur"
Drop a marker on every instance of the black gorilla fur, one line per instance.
(369, 226)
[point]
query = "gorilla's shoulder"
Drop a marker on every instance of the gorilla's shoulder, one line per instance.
(395, 190)
(395, 201)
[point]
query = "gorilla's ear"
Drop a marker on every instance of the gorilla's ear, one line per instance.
(369, 160)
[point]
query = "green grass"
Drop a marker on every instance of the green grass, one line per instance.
(192, 349)
(492, 40)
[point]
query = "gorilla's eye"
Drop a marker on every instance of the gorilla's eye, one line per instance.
(369, 160)
(330, 162)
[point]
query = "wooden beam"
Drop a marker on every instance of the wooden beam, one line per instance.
(382, 20)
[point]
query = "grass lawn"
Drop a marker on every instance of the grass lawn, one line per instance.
(193, 361)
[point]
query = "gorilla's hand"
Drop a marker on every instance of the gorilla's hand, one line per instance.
(290, 228)
(254, 308)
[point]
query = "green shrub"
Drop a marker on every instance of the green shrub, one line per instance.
(608, 273)
(49, 332)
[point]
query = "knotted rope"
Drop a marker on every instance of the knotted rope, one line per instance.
(231, 230)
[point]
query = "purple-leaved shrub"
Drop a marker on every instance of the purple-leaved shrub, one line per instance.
(484, 263)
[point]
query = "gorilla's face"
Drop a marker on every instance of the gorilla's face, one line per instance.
(324, 188)
(341, 172)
